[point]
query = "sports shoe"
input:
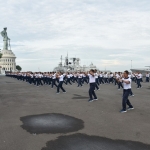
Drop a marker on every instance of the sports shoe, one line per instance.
(130, 108)
(90, 100)
(57, 92)
(123, 111)
(95, 99)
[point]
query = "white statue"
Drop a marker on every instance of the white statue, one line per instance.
(5, 39)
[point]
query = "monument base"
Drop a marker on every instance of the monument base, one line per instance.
(7, 62)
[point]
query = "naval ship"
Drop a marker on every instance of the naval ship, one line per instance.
(73, 65)
(142, 70)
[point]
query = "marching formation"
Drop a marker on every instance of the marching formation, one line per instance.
(94, 78)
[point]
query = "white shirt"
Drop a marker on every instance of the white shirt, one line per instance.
(105, 76)
(91, 78)
(61, 78)
(80, 76)
(68, 76)
(126, 86)
(40, 75)
(96, 75)
(54, 76)
(111, 75)
(31, 75)
(132, 75)
(129, 76)
(36, 75)
(147, 75)
(84, 75)
(101, 75)
(117, 76)
(139, 76)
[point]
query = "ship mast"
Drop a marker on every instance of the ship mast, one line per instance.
(61, 59)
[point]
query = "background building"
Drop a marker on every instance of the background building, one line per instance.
(8, 61)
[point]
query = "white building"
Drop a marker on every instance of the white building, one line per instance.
(7, 62)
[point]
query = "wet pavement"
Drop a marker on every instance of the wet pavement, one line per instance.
(85, 142)
(51, 123)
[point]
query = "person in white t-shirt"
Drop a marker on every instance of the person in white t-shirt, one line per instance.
(68, 78)
(79, 79)
(92, 82)
(147, 77)
(126, 91)
(60, 76)
(139, 77)
(39, 79)
(53, 79)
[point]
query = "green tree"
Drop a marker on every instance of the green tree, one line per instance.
(18, 68)
(1, 55)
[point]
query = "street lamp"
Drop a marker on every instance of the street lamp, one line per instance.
(131, 64)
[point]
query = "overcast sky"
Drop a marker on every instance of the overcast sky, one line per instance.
(109, 33)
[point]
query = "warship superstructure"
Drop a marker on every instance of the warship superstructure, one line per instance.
(73, 65)
(142, 70)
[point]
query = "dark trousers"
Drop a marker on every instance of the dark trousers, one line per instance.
(120, 85)
(60, 86)
(133, 79)
(125, 100)
(84, 80)
(111, 80)
(147, 79)
(39, 81)
(35, 81)
(101, 80)
(31, 80)
(131, 93)
(54, 82)
(49, 80)
(91, 91)
(106, 80)
(138, 83)
(115, 81)
(68, 81)
(97, 81)
(79, 82)
(96, 86)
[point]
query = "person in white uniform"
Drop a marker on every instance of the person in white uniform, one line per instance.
(60, 76)
(126, 91)
(92, 82)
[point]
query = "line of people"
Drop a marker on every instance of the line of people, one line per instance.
(49, 78)
(93, 78)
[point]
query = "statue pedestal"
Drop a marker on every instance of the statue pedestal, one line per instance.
(2, 72)
(7, 62)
